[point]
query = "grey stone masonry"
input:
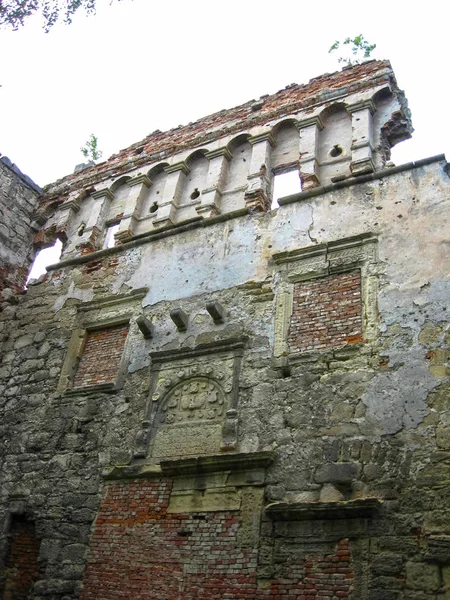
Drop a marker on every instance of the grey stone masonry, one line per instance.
(19, 197)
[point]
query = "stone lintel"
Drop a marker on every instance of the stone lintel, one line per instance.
(362, 105)
(317, 121)
(104, 193)
(179, 166)
(308, 511)
(219, 462)
(263, 137)
(91, 389)
(219, 152)
(138, 180)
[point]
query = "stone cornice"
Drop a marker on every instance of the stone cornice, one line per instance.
(179, 166)
(219, 152)
(104, 193)
(317, 121)
(140, 179)
(363, 105)
(263, 137)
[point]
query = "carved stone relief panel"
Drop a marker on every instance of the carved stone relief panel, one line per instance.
(192, 408)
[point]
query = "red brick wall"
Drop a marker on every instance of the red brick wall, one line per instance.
(139, 550)
(101, 356)
(22, 566)
(326, 313)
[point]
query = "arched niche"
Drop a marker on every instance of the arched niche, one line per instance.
(196, 180)
(285, 155)
(119, 205)
(241, 152)
(155, 193)
(335, 143)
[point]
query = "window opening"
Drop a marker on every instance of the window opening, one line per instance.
(109, 237)
(44, 258)
(285, 184)
(195, 194)
(154, 207)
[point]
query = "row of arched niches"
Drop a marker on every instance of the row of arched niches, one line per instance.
(217, 178)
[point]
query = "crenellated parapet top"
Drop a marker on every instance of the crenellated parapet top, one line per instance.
(336, 127)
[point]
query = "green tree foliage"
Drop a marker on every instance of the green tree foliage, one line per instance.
(14, 13)
(90, 150)
(359, 47)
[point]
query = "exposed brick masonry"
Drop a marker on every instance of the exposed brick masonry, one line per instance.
(101, 357)
(140, 550)
(22, 566)
(326, 312)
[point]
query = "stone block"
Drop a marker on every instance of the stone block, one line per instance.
(337, 473)
(422, 576)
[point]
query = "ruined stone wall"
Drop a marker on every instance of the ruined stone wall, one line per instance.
(223, 455)
(18, 203)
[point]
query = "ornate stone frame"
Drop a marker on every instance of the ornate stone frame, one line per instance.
(358, 252)
(168, 370)
(91, 316)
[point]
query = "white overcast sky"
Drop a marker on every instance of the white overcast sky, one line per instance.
(141, 65)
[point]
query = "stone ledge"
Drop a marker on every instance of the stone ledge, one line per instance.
(92, 389)
(306, 511)
(324, 189)
(192, 466)
(217, 462)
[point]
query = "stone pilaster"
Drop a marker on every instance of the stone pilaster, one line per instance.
(257, 196)
(90, 238)
(362, 137)
(309, 130)
(210, 198)
(176, 175)
(139, 186)
(66, 213)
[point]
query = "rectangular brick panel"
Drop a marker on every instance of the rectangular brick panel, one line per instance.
(326, 313)
(141, 550)
(22, 565)
(101, 356)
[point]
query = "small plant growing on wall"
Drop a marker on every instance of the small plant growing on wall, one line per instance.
(358, 47)
(90, 150)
